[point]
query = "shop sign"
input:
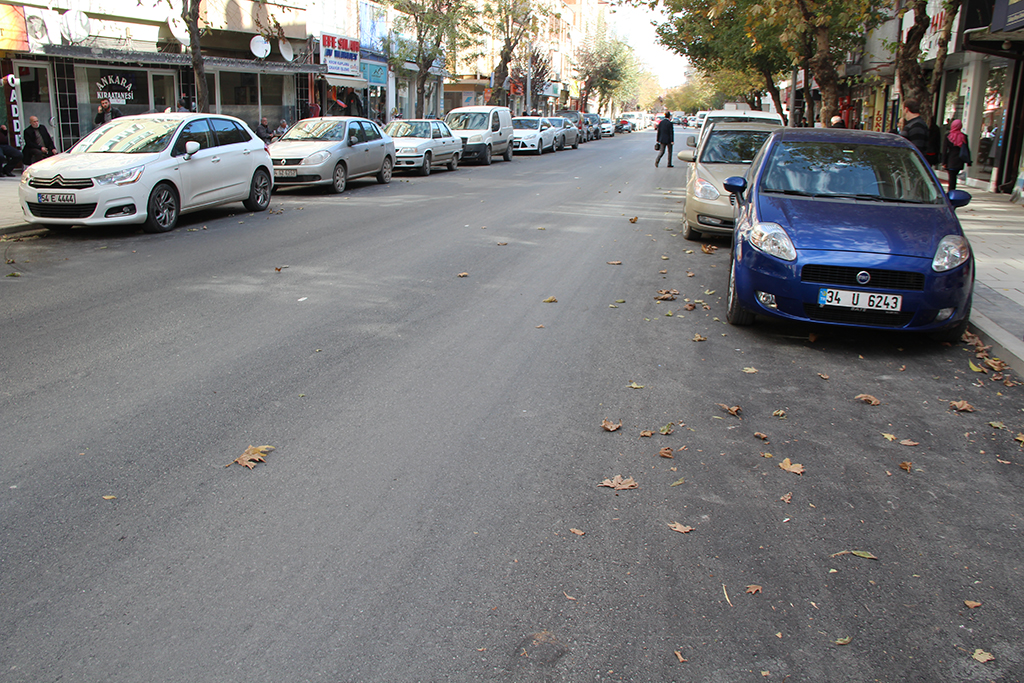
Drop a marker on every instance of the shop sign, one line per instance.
(551, 89)
(116, 86)
(339, 53)
(375, 73)
(13, 111)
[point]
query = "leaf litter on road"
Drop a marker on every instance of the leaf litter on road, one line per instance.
(620, 483)
(251, 456)
(610, 426)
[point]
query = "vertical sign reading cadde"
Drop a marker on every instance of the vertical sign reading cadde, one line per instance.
(13, 107)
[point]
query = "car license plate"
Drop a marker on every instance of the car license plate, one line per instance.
(45, 198)
(862, 300)
(285, 172)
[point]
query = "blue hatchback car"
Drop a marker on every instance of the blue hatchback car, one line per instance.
(848, 228)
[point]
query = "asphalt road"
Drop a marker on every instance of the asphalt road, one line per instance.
(438, 439)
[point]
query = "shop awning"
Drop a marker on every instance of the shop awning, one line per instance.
(345, 81)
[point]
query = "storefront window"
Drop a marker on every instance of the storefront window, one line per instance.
(954, 106)
(164, 92)
(35, 97)
(376, 103)
(993, 118)
(239, 96)
(127, 90)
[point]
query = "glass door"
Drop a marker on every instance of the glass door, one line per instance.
(37, 98)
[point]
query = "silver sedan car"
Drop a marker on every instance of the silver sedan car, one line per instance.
(424, 143)
(330, 150)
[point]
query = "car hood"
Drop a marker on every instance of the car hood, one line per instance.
(298, 149)
(410, 142)
(88, 165)
(717, 173)
(848, 225)
(524, 132)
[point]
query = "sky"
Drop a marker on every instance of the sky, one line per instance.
(634, 25)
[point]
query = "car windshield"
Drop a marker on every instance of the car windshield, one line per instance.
(851, 170)
(467, 121)
(733, 146)
(129, 136)
(316, 129)
(524, 124)
(408, 129)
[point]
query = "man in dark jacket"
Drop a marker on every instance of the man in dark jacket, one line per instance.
(666, 137)
(914, 128)
(105, 113)
(12, 156)
(38, 143)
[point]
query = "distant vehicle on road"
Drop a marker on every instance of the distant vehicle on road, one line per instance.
(593, 126)
(485, 132)
(577, 120)
(534, 134)
(607, 128)
(849, 229)
(568, 133)
(421, 144)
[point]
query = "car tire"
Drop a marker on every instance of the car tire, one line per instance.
(425, 168)
(486, 158)
(507, 156)
(736, 314)
(540, 147)
(689, 233)
(576, 142)
(954, 333)
(554, 146)
(259, 192)
(384, 175)
(453, 165)
(339, 179)
(162, 209)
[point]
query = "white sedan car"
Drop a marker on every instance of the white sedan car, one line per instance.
(533, 134)
(149, 169)
(423, 143)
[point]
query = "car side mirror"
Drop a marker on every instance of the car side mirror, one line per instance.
(191, 147)
(353, 140)
(735, 185)
(686, 155)
(959, 198)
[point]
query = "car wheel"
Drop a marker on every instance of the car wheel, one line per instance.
(576, 143)
(384, 176)
(554, 146)
(689, 233)
(508, 152)
(340, 179)
(425, 168)
(486, 158)
(259, 192)
(453, 165)
(954, 333)
(162, 209)
(540, 147)
(736, 315)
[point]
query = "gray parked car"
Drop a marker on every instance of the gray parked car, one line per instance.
(330, 150)
(424, 143)
(568, 133)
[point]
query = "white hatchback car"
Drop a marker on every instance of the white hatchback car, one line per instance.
(422, 143)
(149, 169)
(533, 134)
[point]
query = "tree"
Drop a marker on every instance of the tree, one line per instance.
(912, 82)
(428, 25)
(534, 63)
(511, 21)
(190, 15)
(602, 64)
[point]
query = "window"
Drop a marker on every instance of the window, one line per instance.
(371, 131)
(355, 130)
(495, 123)
(229, 132)
(198, 131)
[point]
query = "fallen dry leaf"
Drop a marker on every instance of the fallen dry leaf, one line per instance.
(734, 410)
(681, 528)
(634, 219)
(689, 273)
(577, 532)
(868, 398)
(540, 327)
(667, 429)
(906, 465)
(690, 307)
(662, 272)
(677, 482)
(251, 456)
(766, 454)
(795, 468)
(667, 295)
(502, 244)
(698, 338)
(761, 435)
(750, 371)
(615, 263)
(753, 589)
(787, 498)
(982, 656)
(822, 375)
(463, 274)
(908, 442)
(569, 597)
(550, 300)
(619, 484)
(666, 452)
(610, 426)
(812, 337)
(708, 248)
(115, 498)
(859, 553)
(646, 432)
(972, 603)
(996, 425)
(976, 368)
(961, 406)
(679, 656)
(779, 413)
(889, 437)
(843, 641)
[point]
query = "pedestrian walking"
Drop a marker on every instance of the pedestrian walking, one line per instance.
(956, 152)
(12, 155)
(105, 113)
(666, 138)
(38, 143)
(837, 122)
(263, 131)
(914, 127)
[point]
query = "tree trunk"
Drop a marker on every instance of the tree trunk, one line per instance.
(773, 90)
(943, 48)
(912, 85)
(826, 76)
(190, 14)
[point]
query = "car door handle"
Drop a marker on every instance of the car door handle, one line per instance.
(214, 160)
(247, 152)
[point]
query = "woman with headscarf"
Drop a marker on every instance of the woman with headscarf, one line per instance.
(956, 153)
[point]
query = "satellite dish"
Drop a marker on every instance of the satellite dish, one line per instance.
(178, 29)
(75, 26)
(286, 50)
(259, 47)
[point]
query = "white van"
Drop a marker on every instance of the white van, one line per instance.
(485, 131)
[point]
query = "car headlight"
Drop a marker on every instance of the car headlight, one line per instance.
(408, 151)
(123, 177)
(702, 189)
(952, 251)
(475, 138)
(27, 175)
(316, 158)
(773, 240)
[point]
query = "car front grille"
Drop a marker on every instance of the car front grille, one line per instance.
(62, 210)
(287, 162)
(61, 183)
(831, 314)
(847, 276)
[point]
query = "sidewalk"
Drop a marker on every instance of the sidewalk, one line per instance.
(994, 226)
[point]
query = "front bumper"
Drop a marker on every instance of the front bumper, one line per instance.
(712, 217)
(473, 151)
(409, 161)
(96, 205)
(795, 287)
(523, 145)
(320, 174)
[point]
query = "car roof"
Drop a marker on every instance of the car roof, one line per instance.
(476, 108)
(744, 125)
(402, 120)
(841, 135)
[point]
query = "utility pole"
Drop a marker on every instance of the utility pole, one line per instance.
(529, 77)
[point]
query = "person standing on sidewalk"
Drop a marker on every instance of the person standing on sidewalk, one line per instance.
(12, 155)
(666, 138)
(956, 153)
(914, 127)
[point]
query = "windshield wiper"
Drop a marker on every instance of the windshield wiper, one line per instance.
(795, 193)
(877, 198)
